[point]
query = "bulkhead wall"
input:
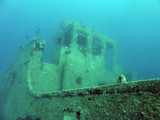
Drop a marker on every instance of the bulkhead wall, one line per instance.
(80, 52)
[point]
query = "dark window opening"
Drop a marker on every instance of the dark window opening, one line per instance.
(68, 36)
(82, 40)
(96, 47)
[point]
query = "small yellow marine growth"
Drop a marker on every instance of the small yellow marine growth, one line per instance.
(121, 79)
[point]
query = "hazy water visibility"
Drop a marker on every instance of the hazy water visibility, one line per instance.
(135, 24)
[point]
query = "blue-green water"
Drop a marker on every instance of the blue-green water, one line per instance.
(135, 24)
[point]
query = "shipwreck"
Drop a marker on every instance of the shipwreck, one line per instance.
(76, 84)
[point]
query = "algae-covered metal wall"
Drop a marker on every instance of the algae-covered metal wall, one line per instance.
(80, 54)
(31, 95)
